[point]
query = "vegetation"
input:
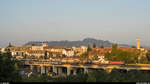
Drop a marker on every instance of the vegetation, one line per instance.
(148, 56)
(9, 68)
(46, 55)
(133, 46)
(94, 45)
(84, 57)
(114, 46)
(120, 55)
(10, 45)
(96, 76)
(44, 78)
(143, 60)
(89, 48)
(101, 46)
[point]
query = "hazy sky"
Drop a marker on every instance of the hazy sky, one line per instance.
(119, 21)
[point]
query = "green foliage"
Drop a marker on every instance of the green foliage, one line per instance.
(94, 45)
(89, 48)
(148, 55)
(143, 60)
(119, 55)
(72, 78)
(45, 78)
(84, 56)
(114, 46)
(133, 46)
(9, 68)
(46, 55)
(91, 76)
(37, 78)
(101, 46)
(96, 76)
(118, 76)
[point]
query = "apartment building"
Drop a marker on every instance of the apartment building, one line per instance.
(39, 47)
(19, 50)
(68, 52)
(80, 50)
(36, 53)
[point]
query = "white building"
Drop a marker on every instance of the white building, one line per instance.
(68, 52)
(36, 53)
(17, 53)
(39, 47)
(2, 50)
(80, 50)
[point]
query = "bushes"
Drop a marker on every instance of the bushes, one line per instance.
(98, 76)
(120, 76)
(8, 68)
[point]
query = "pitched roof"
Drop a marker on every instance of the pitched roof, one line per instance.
(36, 51)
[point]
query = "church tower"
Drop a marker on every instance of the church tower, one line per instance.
(138, 43)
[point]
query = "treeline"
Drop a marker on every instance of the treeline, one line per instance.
(96, 76)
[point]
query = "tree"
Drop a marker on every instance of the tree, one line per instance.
(9, 68)
(84, 56)
(115, 46)
(119, 55)
(10, 45)
(63, 55)
(94, 45)
(143, 60)
(101, 46)
(46, 55)
(89, 48)
(91, 77)
(148, 55)
(133, 46)
(57, 55)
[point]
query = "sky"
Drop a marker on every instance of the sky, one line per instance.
(120, 21)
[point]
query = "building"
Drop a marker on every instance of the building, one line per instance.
(100, 53)
(39, 47)
(19, 50)
(68, 52)
(55, 51)
(55, 48)
(79, 51)
(36, 53)
(2, 50)
(138, 43)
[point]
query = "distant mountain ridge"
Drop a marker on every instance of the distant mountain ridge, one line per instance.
(84, 42)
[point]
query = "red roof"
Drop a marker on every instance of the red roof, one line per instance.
(116, 62)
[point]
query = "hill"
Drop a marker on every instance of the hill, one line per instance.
(84, 42)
